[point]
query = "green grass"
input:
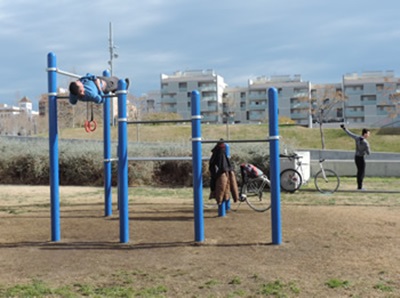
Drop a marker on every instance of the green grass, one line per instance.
(383, 287)
(337, 283)
(278, 288)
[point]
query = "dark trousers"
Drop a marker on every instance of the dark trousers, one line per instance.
(360, 163)
(111, 83)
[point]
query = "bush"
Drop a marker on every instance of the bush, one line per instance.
(26, 161)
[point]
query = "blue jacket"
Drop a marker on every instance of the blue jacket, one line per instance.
(91, 91)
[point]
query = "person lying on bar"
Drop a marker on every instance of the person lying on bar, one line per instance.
(92, 88)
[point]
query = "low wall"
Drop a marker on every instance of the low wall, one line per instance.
(379, 164)
(374, 168)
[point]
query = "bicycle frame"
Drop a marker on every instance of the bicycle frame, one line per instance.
(251, 192)
(325, 180)
(321, 162)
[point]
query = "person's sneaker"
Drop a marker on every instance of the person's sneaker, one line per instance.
(127, 83)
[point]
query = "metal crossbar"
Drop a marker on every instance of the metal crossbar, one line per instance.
(66, 73)
(237, 141)
(162, 158)
(158, 121)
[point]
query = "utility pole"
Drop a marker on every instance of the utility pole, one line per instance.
(113, 55)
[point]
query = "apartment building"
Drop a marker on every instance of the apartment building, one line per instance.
(293, 95)
(372, 98)
(369, 99)
(176, 93)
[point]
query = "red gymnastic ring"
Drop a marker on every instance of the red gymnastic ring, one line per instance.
(90, 126)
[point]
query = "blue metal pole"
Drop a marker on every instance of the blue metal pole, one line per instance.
(225, 205)
(228, 154)
(197, 167)
(53, 147)
(222, 209)
(123, 163)
(275, 166)
(107, 154)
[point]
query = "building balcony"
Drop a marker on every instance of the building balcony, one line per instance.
(209, 98)
(167, 100)
(207, 88)
(300, 105)
(354, 113)
(298, 116)
(254, 107)
(257, 96)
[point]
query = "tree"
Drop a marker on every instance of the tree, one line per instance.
(229, 106)
(390, 91)
(326, 102)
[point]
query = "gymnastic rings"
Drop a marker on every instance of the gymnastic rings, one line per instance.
(90, 125)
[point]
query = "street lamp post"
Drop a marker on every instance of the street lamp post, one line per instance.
(110, 62)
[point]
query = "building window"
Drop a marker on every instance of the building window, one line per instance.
(379, 87)
(182, 86)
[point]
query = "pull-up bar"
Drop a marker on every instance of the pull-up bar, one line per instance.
(66, 73)
(240, 141)
(159, 121)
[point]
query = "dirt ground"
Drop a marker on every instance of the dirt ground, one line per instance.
(355, 247)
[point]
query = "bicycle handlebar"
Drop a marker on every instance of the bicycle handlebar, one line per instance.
(292, 156)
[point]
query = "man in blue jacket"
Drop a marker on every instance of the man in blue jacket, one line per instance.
(92, 88)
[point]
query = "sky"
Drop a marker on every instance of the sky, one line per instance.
(240, 40)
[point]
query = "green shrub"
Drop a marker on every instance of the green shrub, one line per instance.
(26, 161)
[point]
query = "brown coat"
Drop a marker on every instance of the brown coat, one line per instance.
(225, 187)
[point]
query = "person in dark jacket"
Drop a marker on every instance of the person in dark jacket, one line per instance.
(362, 149)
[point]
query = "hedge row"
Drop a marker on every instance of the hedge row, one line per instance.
(81, 163)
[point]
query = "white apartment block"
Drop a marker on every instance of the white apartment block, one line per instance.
(369, 99)
(372, 99)
(176, 93)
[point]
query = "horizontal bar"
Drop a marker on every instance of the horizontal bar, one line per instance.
(237, 141)
(162, 158)
(66, 96)
(158, 121)
(66, 73)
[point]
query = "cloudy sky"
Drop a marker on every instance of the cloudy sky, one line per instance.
(319, 39)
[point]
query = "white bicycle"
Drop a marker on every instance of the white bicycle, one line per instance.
(325, 180)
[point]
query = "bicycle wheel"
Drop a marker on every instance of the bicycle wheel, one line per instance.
(291, 180)
(328, 183)
(255, 191)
